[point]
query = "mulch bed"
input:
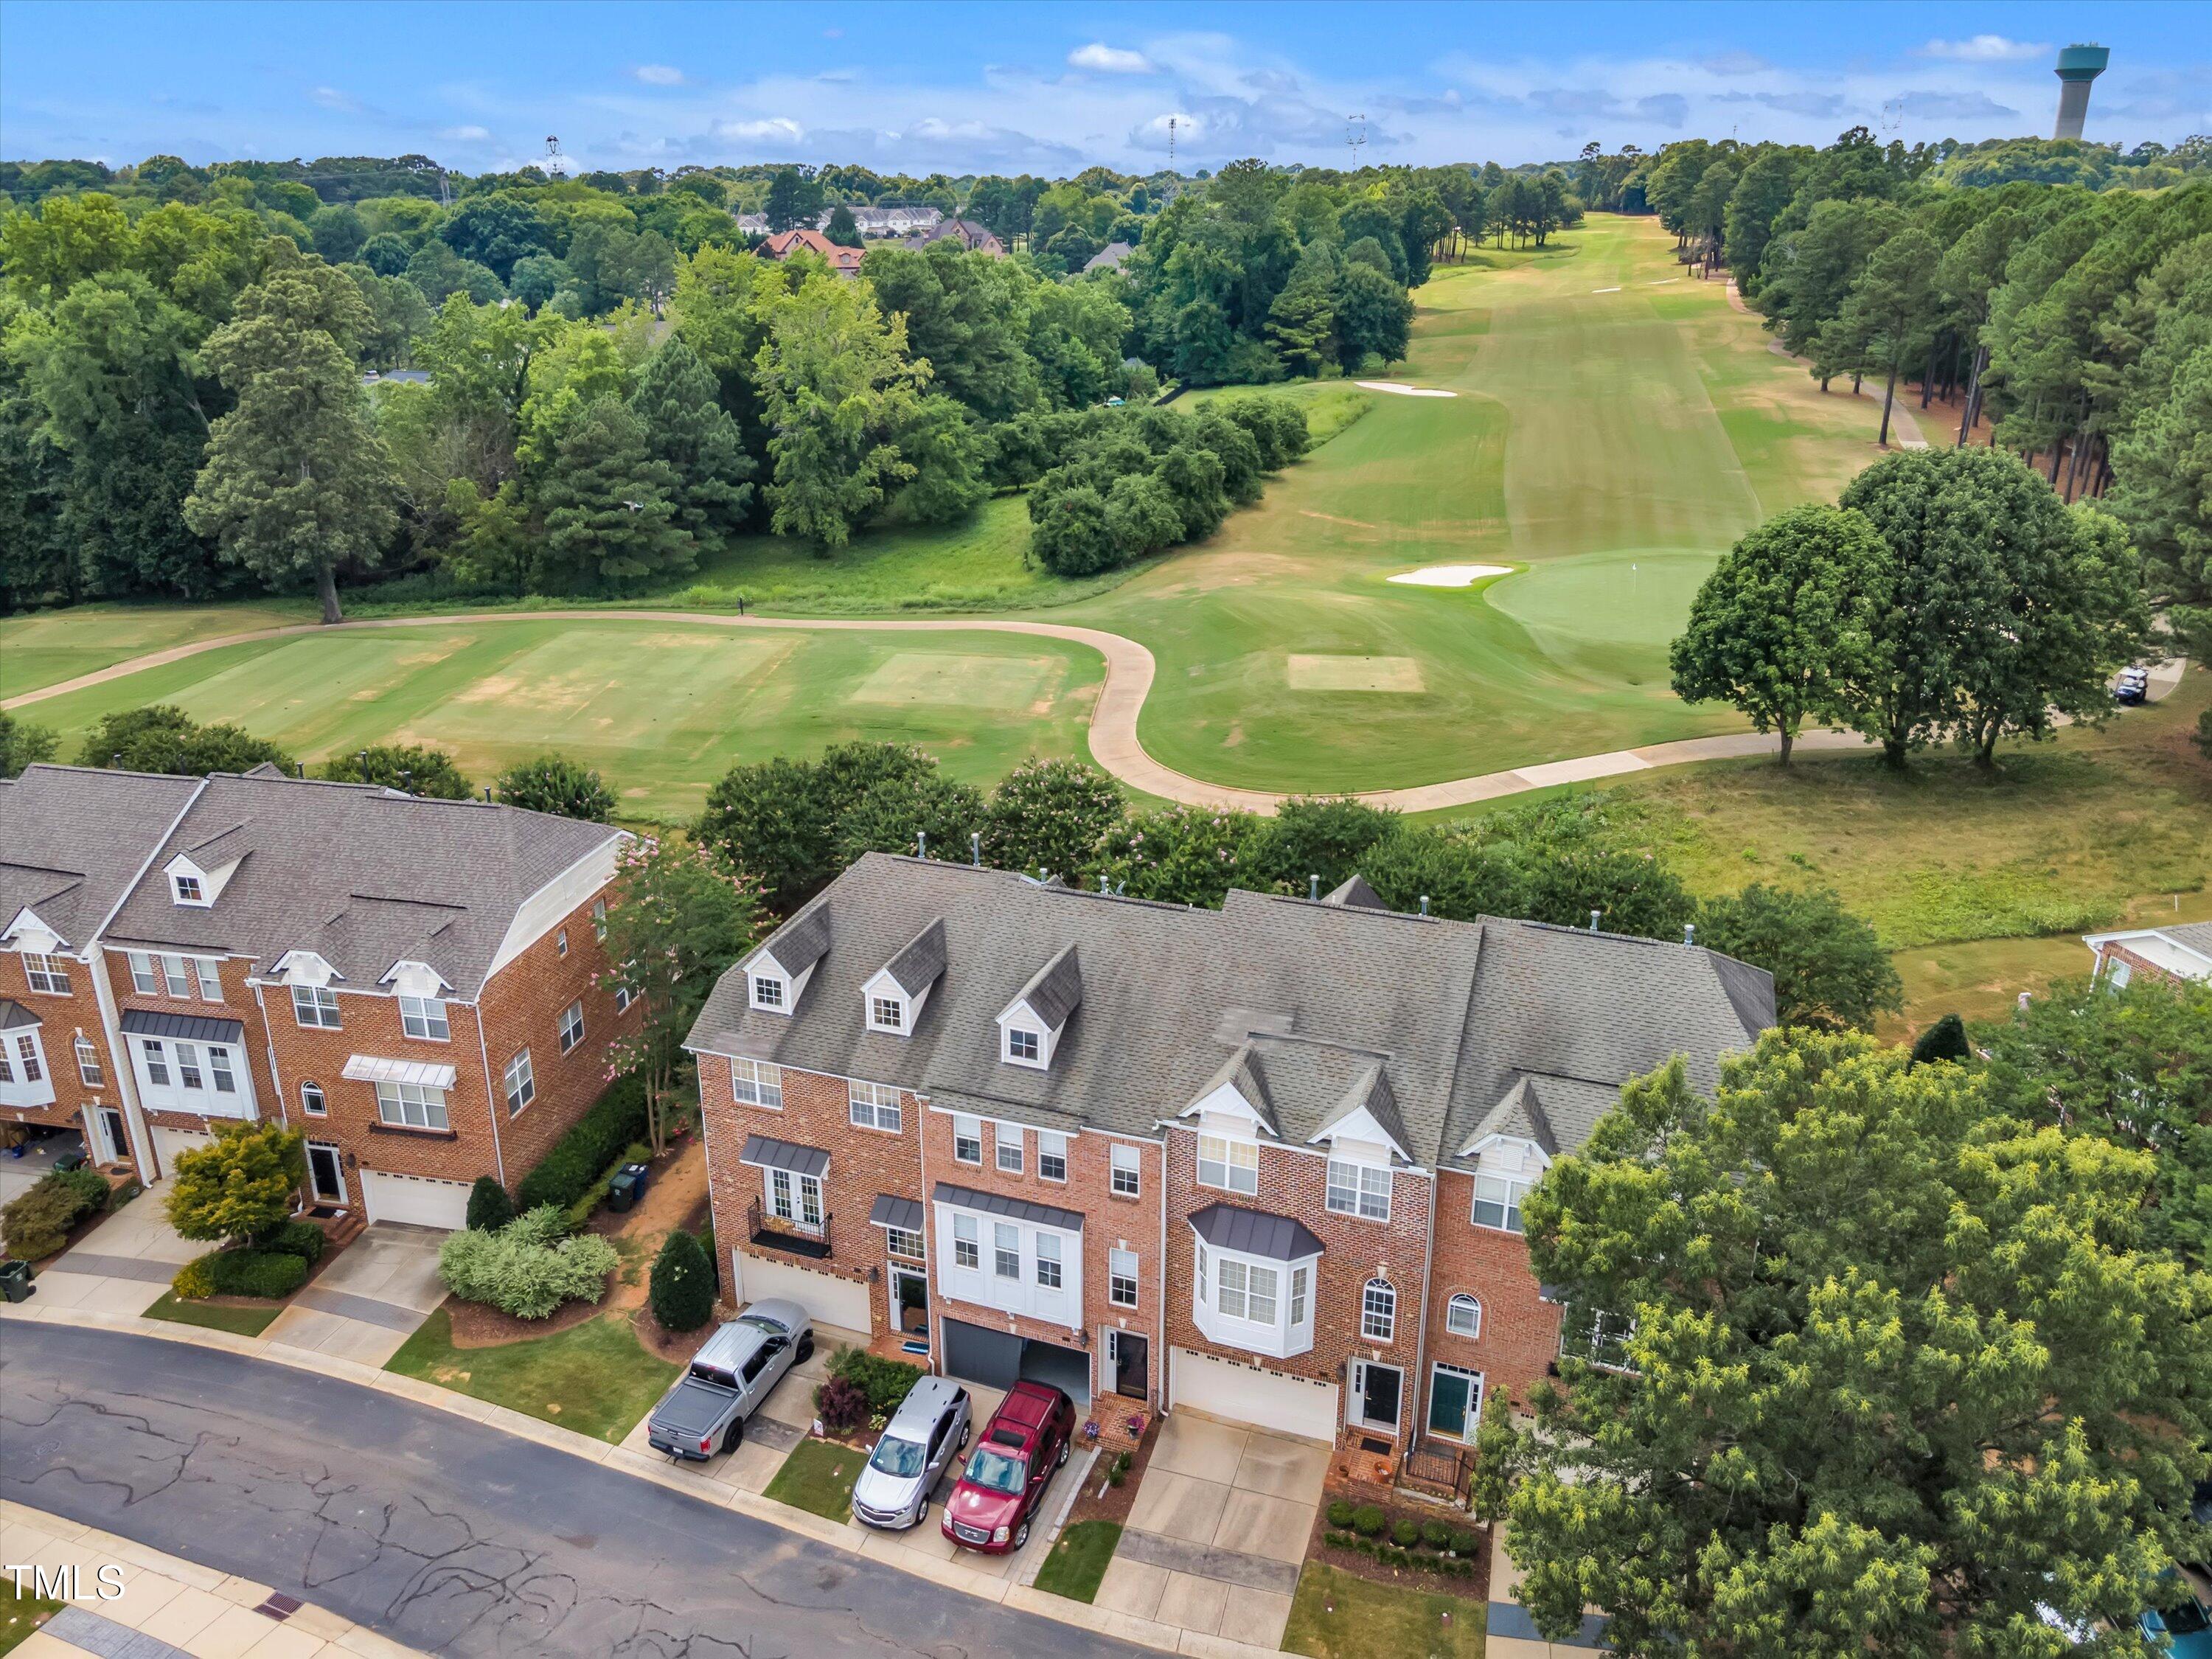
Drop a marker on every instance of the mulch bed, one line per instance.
(656, 1339)
(1117, 1501)
(1474, 1589)
(477, 1326)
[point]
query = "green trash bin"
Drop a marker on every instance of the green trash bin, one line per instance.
(621, 1191)
(15, 1282)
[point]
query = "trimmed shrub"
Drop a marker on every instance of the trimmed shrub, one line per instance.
(1465, 1543)
(38, 1224)
(884, 1383)
(1405, 1533)
(1340, 1513)
(1435, 1535)
(842, 1406)
(489, 1207)
(1945, 1040)
(530, 1268)
(87, 1185)
(302, 1238)
(194, 1281)
(579, 1156)
(269, 1274)
(1368, 1520)
(682, 1289)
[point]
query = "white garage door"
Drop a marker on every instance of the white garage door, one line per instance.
(167, 1143)
(828, 1300)
(415, 1199)
(1245, 1394)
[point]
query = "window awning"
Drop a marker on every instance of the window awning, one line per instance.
(367, 1068)
(192, 1028)
(13, 1014)
(1014, 1209)
(904, 1213)
(1255, 1232)
(763, 1154)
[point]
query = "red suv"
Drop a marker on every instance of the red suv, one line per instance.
(997, 1493)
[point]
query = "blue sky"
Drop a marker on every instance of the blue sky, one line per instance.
(1055, 88)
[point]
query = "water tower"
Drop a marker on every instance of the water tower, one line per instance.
(2077, 67)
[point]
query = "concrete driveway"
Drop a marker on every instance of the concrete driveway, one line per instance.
(1218, 1533)
(124, 1264)
(370, 1299)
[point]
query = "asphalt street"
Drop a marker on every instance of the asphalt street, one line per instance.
(437, 1532)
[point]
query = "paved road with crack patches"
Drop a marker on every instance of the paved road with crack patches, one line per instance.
(440, 1533)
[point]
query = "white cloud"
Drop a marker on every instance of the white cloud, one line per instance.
(1986, 49)
(466, 134)
(659, 75)
(1109, 60)
(778, 130)
(331, 98)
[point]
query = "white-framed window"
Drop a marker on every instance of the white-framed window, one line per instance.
(967, 1140)
(1360, 1189)
(28, 1058)
(226, 1083)
(1024, 1046)
(1052, 1155)
(757, 1083)
(886, 1014)
(425, 1018)
(1498, 1202)
(312, 1101)
(572, 1025)
(768, 992)
(157, 1062)
(518, 1082)
(143, 979)
(315, 1005)
(1298, 1276)
(1008, 1138)
(179, 974)
(187, 888)
(1048, 1260)
(411, 1106)
(903, 1242)
(1121, 1278)
(967, 1251)
(1245, 1289)
(874, 1106)
(624, 996)
(1006, 1249)
(89, 1071)
(795, 1198)
(1596, 1335)
(561, 943)
(210, 981)
(599, 919)
(1127, 1180)
(1463, 1317)
(46, 974)
(189, 1075)
(1378, 1311)
(1231, 1165)
(1204, 1301)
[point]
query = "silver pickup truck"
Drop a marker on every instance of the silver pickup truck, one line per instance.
(739, 1367)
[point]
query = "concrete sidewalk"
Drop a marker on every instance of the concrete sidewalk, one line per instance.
(993, 1583)
(153, 1606)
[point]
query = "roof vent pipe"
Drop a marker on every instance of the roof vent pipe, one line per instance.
(1313, 887)
(1121, 887)
(976, 848)
(1102, 881)
(1689, 933)
(1593, 916)
(921, 843)
(487, 794)
(1425, 904)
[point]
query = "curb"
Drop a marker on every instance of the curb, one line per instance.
(876, 1547)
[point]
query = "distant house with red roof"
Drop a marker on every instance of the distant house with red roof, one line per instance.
(845, 261)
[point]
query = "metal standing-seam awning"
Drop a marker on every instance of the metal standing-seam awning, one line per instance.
(192, 1028)
(764, 1153)
(367, 1068)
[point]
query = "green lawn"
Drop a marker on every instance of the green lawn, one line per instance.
(47, 647)
(1078, 1559)
(818, 1477)
(593, 1377)
(1337, 1616)
(19, 1613)
(239, 1322)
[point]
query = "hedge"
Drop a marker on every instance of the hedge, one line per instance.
(885, 1382)
(38, 1224)
(302, 1238)
(566, 1173)
(266, 1273)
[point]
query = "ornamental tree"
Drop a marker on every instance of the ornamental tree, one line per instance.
(414, 767)
(556, 784)
(1050, 815)
(239, 1185)
(1856, 1362)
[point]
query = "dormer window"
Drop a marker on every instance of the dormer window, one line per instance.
(187, 888)
(1231, 1165)
(1025, 1046)
(887, 1014)
(768, 993)
(1498, 1202)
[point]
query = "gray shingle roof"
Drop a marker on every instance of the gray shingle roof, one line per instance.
(363, 876)
(804, 940)
(1454, 1012)
(1242, 1072)
(916, 968)
(1354, 890)
(1056, 991)
(2196, 935)
(1371, 1093)
(71, 839)
(1521, 1114)
(1255, 1232)
(14, 1014)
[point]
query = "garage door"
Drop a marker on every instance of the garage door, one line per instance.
(415, 1199)
(167, 1143)
(1245, 1394)
(828, 1300)
(977, 1353)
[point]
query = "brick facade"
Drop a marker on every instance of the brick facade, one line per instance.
(62, 1019)
(238, 1002)
(1520, 1331)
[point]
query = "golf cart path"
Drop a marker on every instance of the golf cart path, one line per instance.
(1114, 741)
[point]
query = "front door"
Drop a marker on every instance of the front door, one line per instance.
(1454, 1401)
(113, 1141)
(326, 1175)
(1131, 1372)
(1375, 1390)
(910, 1304)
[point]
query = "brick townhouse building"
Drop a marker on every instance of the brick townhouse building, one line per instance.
(413, 983)
(1265, 1162)
(2177, 951)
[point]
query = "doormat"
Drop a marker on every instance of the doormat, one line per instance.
(1369, 1444)
(914, 1347)
(325, 1212)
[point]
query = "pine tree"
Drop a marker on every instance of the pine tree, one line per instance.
(686, 427)
(682, 1289)
(610, 512)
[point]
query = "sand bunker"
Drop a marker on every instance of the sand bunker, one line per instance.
(1403, 390)
(1449, 575)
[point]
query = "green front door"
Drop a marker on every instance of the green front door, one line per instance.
(1453, 1400)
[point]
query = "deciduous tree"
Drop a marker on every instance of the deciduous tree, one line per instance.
(1830, 969)
(556, 784)
(242, 1183)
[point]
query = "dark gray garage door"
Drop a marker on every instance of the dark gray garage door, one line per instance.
(996, 1360)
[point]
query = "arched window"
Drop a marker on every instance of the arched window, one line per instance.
(311, 1100)
(1378, 1311)
(1463, 1317)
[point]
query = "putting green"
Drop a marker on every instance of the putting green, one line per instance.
(1635, 598)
